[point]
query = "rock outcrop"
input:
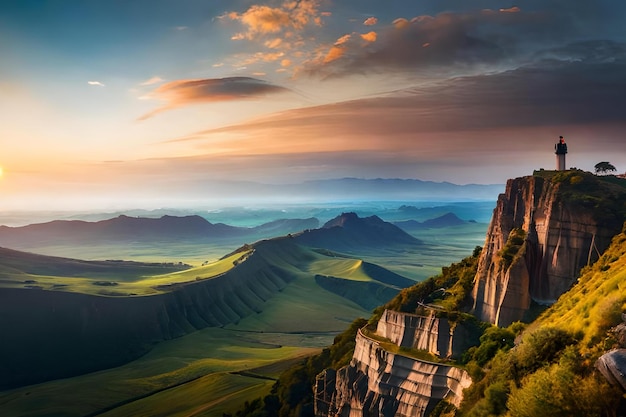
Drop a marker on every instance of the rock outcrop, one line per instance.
(380, 383)
(429, 333)
(544, 229)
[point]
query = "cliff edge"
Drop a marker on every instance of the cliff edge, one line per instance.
(385, 379)
(544, 229)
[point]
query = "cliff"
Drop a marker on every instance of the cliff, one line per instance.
(428, 333)
(381, 383)
(544, 229)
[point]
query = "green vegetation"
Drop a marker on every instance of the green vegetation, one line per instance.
(604, 167)
(447, 291)
(292, 394)
(603, 196)
(128, 278)
(511, 249)
(299, 316)
(551, 371)
(217, 367)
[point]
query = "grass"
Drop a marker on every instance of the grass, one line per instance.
(95, 285)
(595, 303)
(196, 364)
(193, 375)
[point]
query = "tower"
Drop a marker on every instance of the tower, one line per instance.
(560, 151)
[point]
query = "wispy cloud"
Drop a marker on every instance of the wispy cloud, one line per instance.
(96, 83)
(513, 9)
(152, 80)
(586, 91)
(185, 92)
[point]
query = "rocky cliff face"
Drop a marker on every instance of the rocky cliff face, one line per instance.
(429, 333)
(544, 229)
(380, 383)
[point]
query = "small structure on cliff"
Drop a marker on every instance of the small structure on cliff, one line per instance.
(560, 149)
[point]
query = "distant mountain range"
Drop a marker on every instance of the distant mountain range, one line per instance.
(138, 229)
(345, 232)
(409, 189)
(352, 189)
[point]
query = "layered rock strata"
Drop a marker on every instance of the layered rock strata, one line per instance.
(430, 333)
(564, 226)
(380, 383)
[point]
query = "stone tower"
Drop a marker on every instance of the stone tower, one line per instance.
(560, 151)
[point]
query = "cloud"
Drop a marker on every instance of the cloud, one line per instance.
(152, 80)
(513, 9)
(184, 92)
(369, 37)
(285, 27)
(97, 83)
(585, 91)
(261, 20)
(370, 21)
(458, 43)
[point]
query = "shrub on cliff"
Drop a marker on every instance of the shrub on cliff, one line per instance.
(449, 290)
(551, 372)
(511, 249)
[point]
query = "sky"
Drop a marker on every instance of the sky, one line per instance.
(108, 103)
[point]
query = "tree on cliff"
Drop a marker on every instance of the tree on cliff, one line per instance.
(604, 167)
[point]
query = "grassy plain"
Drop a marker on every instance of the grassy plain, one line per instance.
(180, 375)
(214, 370)
(103, 284)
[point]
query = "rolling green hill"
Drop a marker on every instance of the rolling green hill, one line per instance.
(56, 326)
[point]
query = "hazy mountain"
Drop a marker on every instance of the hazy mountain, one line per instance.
(409, 189)
(447, 220)
(137, 229)
(349, 232)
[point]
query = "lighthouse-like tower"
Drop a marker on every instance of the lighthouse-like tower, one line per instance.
(560, 151)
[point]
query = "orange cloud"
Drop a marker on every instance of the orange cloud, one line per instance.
(274, 43)
(184, 92)
(264, 20)
(401, 23)
(334, 54)
(343, 39)
(369, 37)
(370, 21)
(513, 9)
